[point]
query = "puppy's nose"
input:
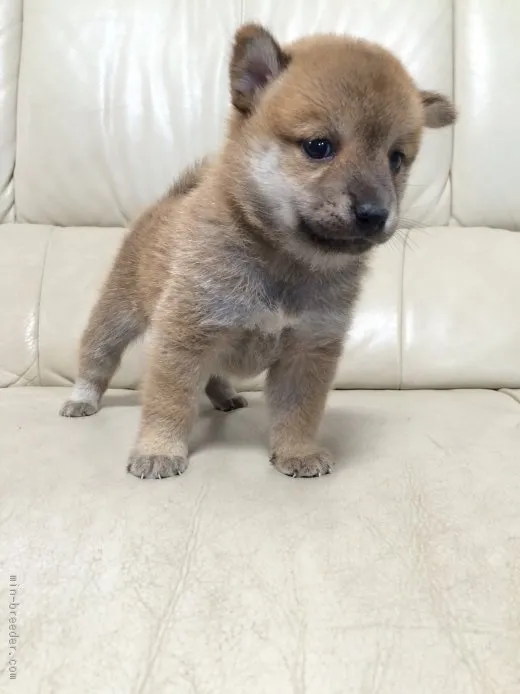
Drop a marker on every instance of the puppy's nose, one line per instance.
(370, 217)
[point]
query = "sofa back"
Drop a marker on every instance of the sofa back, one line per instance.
(103, 102)
(115, 97)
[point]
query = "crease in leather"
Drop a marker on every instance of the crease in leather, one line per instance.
(8, 188)
(39, 304)
(453, 95)
(449, 621)
(175, 594)
(401, 310)
(17, 107)
(511, 396)
(17, 379)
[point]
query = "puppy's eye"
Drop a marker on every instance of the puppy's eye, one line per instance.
(395, 159)
(319, 148)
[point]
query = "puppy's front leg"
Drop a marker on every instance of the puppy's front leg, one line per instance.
(170, 394)
(297, 388)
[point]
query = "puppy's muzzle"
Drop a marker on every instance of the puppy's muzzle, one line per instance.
(334, 239)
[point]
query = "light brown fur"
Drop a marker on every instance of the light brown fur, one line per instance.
(254, 260)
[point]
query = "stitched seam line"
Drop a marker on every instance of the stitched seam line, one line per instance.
(454, 88)
(509, 395)
(39, 305)
(401, 307)
(17, 114)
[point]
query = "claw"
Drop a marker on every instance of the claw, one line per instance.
(158, 477)
(142, 475)
(294, 475)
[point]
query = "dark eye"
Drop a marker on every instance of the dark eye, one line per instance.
(318, 149)
(396, 159)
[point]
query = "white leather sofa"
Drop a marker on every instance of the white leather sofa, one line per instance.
(398, 574)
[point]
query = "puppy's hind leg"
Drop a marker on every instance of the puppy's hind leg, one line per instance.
(223, 396)
(114, 323)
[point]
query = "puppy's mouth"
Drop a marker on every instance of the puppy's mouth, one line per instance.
(322, 238)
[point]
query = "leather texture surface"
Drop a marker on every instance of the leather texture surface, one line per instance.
(398, 573)
(23, 254)
(486, 164)
(461, 289)
(513, 393)
(117, 97)
(10, 49)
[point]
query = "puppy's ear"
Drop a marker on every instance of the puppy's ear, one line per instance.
(438, 110)
(257, 59)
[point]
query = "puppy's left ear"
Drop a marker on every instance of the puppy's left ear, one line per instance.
(438, 110)
(256, 61)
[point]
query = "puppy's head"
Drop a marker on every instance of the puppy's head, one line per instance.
(323, 137)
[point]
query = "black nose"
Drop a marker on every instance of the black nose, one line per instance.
(370, 217)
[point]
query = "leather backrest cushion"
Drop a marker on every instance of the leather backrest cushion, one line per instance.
(10, 45)
(486, 165)
(435, 311)
(117, 96)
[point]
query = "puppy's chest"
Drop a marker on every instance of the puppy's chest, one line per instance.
(273, 307)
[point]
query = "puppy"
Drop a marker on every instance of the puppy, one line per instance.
(253, 261)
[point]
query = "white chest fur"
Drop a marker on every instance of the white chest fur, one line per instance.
(273, 322)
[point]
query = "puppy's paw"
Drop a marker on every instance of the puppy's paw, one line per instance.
(237, 402)
(156, 466)
(313, 464)
(78, 409)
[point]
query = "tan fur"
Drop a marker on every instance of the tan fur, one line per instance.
(254, 260)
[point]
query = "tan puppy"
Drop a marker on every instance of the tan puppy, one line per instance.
(254, 260)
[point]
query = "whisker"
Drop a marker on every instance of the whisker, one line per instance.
(411, 244)
(407, 223)
(406, 239)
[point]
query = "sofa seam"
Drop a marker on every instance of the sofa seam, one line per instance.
(401, 310)
(502, 391)
(17, 108)
(39, 304)
(454, 95)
